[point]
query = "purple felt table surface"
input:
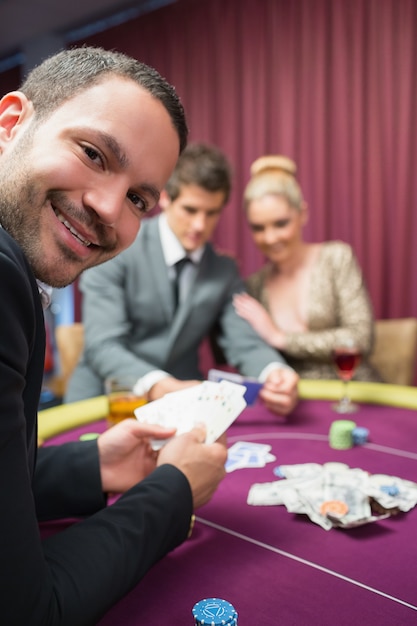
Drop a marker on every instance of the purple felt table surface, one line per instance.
(279, 568)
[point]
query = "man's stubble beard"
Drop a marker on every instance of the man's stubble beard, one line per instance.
(22, 202)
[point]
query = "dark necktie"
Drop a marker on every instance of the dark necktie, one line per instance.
(178, 267)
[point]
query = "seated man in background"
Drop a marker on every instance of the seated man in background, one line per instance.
(86, 146)
(132, 324)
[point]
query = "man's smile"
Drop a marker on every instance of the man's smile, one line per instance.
(65, 222)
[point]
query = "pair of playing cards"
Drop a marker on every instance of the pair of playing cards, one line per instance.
(216, 404)
(245, 454)
(252, 385)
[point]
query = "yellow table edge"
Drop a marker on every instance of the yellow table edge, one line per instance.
(369, 393)
(64, 417)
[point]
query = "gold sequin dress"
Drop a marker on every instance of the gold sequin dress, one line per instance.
(339, 308)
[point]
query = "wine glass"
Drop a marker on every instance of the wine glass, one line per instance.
(346, 357)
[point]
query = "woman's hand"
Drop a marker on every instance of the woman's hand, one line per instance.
(258, 317)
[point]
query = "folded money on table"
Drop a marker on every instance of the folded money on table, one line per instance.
(335, 495)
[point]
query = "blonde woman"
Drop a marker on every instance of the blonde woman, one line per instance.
(309, 296)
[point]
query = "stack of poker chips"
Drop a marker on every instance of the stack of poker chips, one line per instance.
(340, 434)
(214, 612)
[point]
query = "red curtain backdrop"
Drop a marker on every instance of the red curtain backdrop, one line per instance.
(332, 84)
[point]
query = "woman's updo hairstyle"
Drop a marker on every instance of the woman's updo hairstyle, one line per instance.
(273, 175)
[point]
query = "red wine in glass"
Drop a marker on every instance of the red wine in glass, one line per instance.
(346, 359)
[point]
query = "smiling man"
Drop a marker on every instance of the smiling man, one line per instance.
(133, 322)
(86, 147)
(84, 178)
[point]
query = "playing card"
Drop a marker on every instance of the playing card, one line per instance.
(215, 404)
(244, 454)
(252, 385)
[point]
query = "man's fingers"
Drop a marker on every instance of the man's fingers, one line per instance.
(199, 432)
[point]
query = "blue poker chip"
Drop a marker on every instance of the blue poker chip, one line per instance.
(360, 436)
(214, 612)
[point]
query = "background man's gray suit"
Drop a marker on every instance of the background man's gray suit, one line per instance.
(130, 325)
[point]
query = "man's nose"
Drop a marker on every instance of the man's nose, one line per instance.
(108, 202)
(199, 221)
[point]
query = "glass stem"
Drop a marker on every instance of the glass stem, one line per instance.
(345, 398)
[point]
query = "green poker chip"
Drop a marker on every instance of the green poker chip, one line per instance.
(89, 436)
(341, 434)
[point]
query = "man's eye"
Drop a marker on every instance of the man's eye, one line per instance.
(138, 201)
(92, 154)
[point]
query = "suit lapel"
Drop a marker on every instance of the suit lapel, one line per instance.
(157, 268)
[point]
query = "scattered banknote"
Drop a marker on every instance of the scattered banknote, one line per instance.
(335, 495)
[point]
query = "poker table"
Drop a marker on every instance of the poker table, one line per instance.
(275, 567)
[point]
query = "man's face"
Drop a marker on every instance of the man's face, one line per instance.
(74, 188)
(193, 216)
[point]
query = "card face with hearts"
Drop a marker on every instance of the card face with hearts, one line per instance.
(216, 404)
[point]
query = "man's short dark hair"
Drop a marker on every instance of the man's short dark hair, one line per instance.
(69, 72)
(202, 165)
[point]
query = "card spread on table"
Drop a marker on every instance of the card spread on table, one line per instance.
(245, 454)
(217, 405)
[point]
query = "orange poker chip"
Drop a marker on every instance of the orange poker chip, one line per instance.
(334, 508)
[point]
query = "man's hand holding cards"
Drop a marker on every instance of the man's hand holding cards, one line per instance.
(216, 404)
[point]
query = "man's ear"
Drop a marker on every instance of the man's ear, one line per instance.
(164, 200)
(15, 109)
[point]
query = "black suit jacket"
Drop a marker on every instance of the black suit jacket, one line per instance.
(73, 577)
